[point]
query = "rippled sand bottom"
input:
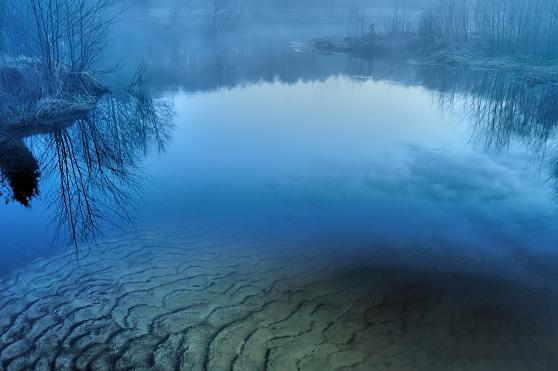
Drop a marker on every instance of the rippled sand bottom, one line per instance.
(175, 299)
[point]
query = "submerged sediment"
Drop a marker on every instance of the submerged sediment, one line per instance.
(176, 299)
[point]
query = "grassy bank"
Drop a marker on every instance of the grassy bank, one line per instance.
(26, 101)
(533, 69)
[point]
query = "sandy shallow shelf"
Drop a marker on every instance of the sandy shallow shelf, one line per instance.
(170, 298)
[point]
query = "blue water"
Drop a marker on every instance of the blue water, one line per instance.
(362, 164)
(361, 154)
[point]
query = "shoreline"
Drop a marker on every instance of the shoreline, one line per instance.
(28, 108)
(532, 70)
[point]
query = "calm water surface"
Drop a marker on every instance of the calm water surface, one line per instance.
(443, 177)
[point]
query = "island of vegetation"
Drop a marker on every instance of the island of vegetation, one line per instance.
(515, 36)
(48, 54)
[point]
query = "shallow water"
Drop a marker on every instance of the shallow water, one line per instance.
(318, 212)
(178, 298)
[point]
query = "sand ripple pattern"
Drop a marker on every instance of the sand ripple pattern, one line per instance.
(186, 300)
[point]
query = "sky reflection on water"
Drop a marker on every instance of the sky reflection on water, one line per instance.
(364, 154)
(343, 162)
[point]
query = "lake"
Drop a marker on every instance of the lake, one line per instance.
(262, 205)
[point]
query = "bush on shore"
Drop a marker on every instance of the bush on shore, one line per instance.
(26, 100)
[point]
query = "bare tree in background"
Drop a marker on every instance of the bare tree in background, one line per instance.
(359, 24)
(2, 24)
(398, 22)
(218, 12)
(447, 22)
(498, 26)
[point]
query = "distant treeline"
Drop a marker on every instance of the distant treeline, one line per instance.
(2, 23)
(224, 11)
(498, 26)
(278, 4)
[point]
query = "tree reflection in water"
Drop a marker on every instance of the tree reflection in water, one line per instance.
(504, 110)
(92, 165)
(19, 171)
(502, 107)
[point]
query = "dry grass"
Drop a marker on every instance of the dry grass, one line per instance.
(25, 100)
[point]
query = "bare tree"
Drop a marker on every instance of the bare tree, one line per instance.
(500, 26)
(398, 22)
(447, 22)
(359, 24)
(73, 32)
(60, 35)
(2, 25)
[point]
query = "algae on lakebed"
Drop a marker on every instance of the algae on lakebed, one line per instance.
(182, 298)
